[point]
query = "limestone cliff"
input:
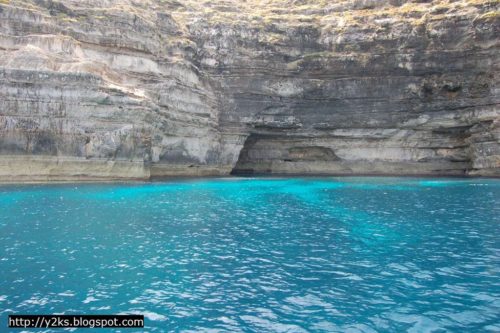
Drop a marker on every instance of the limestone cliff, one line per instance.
(121, 89)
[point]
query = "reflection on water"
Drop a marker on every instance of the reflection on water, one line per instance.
(272, 255)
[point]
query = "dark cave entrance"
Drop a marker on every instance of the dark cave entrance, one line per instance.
(243, 164)
(265, 154)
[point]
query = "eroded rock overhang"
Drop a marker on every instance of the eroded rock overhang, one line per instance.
(122, 90)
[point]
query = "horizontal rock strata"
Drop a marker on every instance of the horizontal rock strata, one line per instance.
(123, 89)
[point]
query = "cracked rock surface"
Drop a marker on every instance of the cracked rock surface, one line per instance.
(129, 89)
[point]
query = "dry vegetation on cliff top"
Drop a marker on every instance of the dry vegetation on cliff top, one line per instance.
(262, 12)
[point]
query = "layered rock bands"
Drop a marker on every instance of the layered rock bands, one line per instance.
(129, 89)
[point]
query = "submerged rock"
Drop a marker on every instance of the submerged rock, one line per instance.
(120, 89)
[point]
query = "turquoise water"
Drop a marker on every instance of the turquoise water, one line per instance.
(258, 255)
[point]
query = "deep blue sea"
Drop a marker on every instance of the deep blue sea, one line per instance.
(257, 254)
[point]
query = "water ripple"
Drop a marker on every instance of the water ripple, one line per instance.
(265, 255)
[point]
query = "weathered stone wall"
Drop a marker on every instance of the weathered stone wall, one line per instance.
(118, 89)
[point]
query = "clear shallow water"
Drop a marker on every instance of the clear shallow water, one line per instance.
(265, 255)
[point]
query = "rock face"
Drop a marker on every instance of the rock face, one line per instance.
(125, 89)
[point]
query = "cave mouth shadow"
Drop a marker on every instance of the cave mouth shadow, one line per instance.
(267, 154)
(239, 168)
(260, 153)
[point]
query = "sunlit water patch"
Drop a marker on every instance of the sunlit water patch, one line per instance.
(264, 255)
